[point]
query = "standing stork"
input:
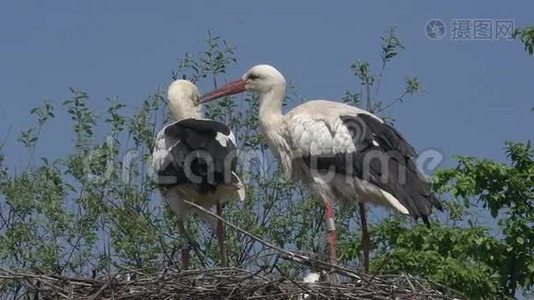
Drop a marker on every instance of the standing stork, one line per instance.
(339, 151)
(195, 159)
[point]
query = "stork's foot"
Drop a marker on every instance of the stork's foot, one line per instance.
(184, 246)
(332, 251)
(220, 237)
(366, 244)
(366, 241)
(331, 239)
(185, 257)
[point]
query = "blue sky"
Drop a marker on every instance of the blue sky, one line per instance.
(478, 93)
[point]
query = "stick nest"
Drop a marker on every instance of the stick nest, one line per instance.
(219, 283)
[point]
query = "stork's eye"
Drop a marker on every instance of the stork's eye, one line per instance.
(253, 76)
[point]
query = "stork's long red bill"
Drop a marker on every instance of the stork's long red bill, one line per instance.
(231, 88)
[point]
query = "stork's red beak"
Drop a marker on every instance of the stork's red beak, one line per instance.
(228, 89)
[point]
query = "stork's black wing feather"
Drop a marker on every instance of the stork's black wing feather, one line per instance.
(203, 154)
(385, 159)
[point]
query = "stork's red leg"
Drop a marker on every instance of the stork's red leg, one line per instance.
(331, 231)
(185, 250)
(220, 236)
(365, 237)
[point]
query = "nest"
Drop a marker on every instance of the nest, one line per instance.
(219, 283)
(224, 283)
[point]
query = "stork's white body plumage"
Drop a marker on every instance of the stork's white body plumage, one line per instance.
(315, 129)
(194, 159)
(341, 152)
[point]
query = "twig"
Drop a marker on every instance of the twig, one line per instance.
(392, 102)
(7, 136)
(95, 295)
(386, 259)
(248, 277)
(409, 282)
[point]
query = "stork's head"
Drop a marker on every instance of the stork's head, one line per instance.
(183, 99)
(260, 79)
(263, 78)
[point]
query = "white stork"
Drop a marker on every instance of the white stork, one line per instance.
(339, 151)
(195, 159)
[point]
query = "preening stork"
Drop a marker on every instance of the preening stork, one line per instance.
(195, 159)
(340, 151)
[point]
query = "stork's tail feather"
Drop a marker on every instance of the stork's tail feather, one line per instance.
(426, 221)
(234, 190)
(432, 201)
(237, 183)
(436, 203)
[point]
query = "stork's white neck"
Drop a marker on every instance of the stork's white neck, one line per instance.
(271, 122)
(271, 108)
(184, 110)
